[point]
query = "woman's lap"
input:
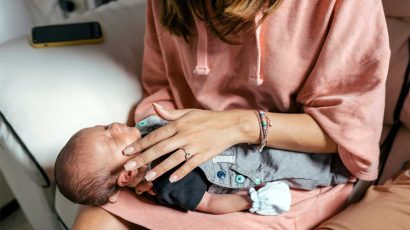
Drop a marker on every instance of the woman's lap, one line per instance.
(383, 207)
(309, 208)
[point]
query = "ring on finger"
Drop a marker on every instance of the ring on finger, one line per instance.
(187, 154)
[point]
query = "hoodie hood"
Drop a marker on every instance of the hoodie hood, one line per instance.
(202, 68)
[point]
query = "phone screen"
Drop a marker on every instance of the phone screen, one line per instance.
(66, 32)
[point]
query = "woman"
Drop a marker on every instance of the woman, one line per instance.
(317, 68)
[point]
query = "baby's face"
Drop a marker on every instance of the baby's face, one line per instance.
(107, 142)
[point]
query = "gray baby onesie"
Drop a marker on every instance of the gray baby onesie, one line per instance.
(243, 166)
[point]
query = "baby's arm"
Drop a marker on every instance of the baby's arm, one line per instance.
(272, 199)
(224, 203)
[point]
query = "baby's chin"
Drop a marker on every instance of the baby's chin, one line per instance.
(135, 133)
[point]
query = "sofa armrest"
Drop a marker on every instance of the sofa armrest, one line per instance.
(46, 95)
(397, 8)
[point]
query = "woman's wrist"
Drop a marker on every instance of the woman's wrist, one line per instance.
(246, 126)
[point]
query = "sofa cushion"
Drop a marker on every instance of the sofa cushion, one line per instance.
(48, 94)
(399, 154)
(405, 113)
(65, 209)
(399, 34)
(397, 8)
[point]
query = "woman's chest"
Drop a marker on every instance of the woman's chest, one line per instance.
(267, 69)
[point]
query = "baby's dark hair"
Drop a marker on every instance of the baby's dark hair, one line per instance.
(88, 185)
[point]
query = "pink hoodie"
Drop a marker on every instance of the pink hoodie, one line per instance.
(325, 58)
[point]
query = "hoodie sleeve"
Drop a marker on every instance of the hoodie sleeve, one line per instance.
(153, 77)
(345, 91)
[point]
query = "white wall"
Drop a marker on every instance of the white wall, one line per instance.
(16, 18)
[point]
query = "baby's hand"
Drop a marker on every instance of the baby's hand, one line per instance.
(272, 199)
(150, 191)
(142, 185)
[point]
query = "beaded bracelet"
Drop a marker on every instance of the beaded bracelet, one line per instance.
(264, 124)
(260, 126)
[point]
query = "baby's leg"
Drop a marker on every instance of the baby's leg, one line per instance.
(224, 203)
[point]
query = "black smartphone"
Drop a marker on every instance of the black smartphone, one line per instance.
(66, 34)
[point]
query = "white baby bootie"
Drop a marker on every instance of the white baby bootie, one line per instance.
(271, 200)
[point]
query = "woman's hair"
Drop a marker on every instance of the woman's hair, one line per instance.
(223, 16)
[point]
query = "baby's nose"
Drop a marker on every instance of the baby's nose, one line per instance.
(116, 125)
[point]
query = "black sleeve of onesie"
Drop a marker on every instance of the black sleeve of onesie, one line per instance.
(185, 193)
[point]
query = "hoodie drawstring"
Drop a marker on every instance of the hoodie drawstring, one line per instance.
(254, 70)
(201, 67)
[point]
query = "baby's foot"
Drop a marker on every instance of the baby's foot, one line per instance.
(272, 199)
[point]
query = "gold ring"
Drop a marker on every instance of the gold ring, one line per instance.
(187, 154)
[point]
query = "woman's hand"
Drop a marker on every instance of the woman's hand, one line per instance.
(193, 135)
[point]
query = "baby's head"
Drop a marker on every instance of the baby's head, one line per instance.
(89, 168)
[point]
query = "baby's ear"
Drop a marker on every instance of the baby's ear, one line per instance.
(113, 198)
(126, 177)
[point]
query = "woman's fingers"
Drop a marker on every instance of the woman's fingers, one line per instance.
(182, 132)
(151, 139)
(156, 151)
(170, 115)
(172, 161)
(157, 135)
(186, 168)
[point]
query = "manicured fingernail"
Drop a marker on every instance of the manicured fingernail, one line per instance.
(128, 151)
(173, 178)
(138, 192)
(157, 105)
(130, 165)
(150, 175)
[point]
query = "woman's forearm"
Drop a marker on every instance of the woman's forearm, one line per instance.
(296, 132)
(204, 134)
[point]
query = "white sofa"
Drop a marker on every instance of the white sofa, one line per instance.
(48, 94)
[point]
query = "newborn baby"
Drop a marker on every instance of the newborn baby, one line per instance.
(89, 170)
